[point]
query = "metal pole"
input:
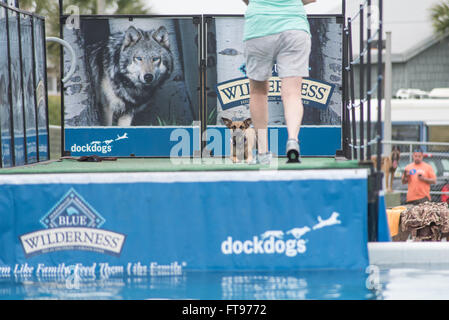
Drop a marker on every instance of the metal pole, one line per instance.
(379, 88)
(352, 92)
(203, 83)
(368, 84)
(2, 12)
(46, 88)
(345, 112)
(61, 73)
(11, 108)
(362, 82)
(36, 122)
(25, 146)
(388, 94)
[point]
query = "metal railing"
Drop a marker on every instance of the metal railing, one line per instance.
(357, 144)
(23, 82)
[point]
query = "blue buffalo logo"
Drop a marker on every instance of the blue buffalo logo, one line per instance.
(72, 211)
(72, 224)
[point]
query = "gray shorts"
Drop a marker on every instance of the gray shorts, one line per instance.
(289, 49)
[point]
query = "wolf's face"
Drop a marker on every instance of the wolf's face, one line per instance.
(145, 56)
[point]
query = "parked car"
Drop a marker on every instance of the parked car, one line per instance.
(439, 163)
(411, 94)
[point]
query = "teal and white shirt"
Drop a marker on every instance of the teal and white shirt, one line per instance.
(266, 17)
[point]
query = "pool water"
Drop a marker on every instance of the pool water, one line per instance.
(386, 283)
(415, 283)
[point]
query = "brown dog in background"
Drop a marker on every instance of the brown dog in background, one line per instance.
(243, 140)
(389, 166)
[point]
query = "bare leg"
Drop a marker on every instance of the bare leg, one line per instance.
(293, 108)
(258, 106)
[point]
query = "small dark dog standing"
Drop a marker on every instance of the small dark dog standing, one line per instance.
(243, 140)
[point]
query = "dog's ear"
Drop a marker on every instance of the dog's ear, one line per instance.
(247, 123)
(161, 36)
(132, 35)
(227, 122)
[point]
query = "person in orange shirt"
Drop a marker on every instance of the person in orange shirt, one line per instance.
(419, 176)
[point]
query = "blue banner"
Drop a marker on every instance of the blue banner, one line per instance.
(132, 141)
(185, 141)
(167, 222)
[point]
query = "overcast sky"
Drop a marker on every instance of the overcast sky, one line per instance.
(227, 6)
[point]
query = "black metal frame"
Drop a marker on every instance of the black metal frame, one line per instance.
(196, 19)
(19, 13)
(375, 178)
(11, 121)
(34, 89)
(202, 63)
(25, 147)
(44, 43)
(340, 17)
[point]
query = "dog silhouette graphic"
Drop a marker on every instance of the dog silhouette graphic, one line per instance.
(125, 136)
(333, 219)
(108, 142)
(272, 233)
(298, 232)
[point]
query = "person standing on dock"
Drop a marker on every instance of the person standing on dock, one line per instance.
(419, 176)
(277, 31)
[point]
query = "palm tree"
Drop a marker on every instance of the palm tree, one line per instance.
(440, 17)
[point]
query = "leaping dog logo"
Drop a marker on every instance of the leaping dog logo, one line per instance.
(125, 136)
(298, 232)
(273, 233)
(108, 142)
(333, 219)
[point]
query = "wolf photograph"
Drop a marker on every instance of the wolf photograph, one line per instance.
(125, 71)
(131, 72)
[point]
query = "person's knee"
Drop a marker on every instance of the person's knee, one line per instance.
(258, 87)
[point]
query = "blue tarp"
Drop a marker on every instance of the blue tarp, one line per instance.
(284, 220)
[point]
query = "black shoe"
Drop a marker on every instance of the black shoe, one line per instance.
(293, 154)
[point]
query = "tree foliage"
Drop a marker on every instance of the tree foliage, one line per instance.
(50, 10)
(440, 17)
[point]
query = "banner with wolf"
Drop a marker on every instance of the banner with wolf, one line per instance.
(133, 71)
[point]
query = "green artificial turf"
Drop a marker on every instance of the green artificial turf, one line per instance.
(168, 165)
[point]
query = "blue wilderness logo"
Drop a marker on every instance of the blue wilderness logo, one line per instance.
(72, 224)
(235, 92)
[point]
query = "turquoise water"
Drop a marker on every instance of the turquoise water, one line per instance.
(198, 285)
(415, 283)
(391, 283)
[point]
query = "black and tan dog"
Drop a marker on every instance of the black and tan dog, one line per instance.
(243, 140)
(389, 166)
